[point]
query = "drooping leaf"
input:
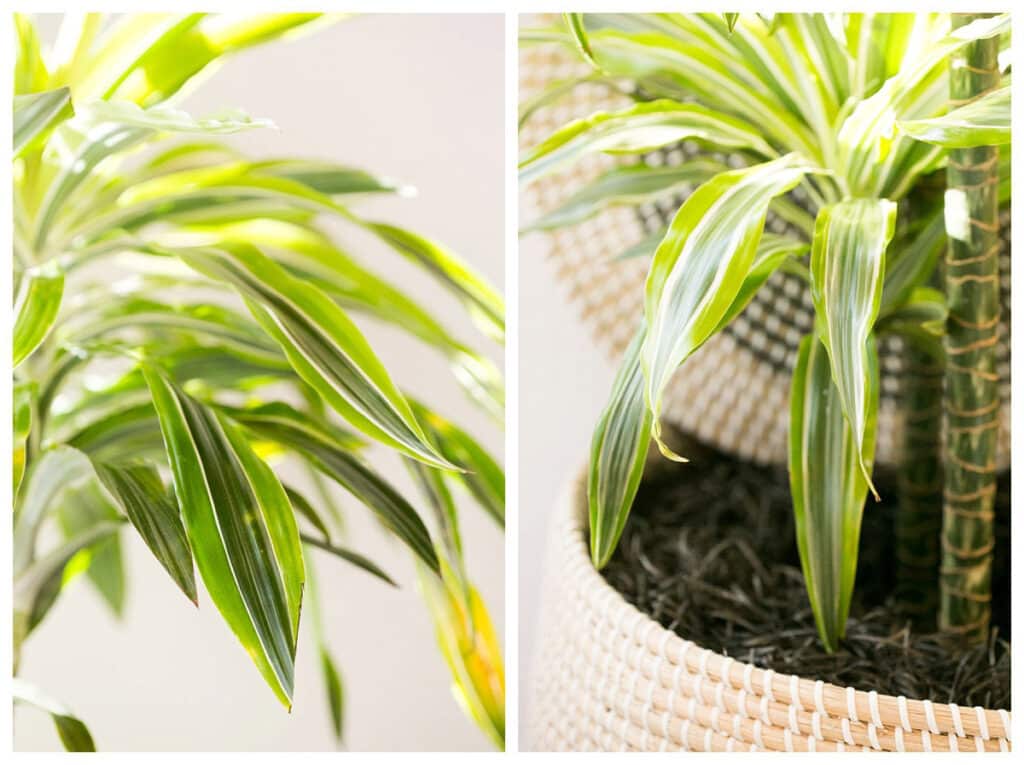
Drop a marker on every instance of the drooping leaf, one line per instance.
(578, 32)
(485, 305)
(331, 178)
(828, 484)
(700, 266)
(638, 129)
(24, 397)
(335, 693)
(985, 122)
(847, 273)
(305, 508)
(921, 319)
(286, 426)
(483, 476)
(73, 734)
(350, 556)
(629, 185)
(36, 309)
(141, 495)
(469, 645)
(53, 472)
(36, 114)
(618, 450)
(322, 344)
(240, 527)
(84, 507)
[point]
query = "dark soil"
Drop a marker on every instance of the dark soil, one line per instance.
(709, 551)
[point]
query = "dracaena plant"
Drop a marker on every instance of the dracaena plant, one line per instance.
(863, 116)
(184, 322)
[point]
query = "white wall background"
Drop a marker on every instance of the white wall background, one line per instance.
(419, 98)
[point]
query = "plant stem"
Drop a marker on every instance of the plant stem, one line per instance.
(919, 520)
(972, 379)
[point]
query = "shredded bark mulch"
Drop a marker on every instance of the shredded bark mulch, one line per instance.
(709, 551)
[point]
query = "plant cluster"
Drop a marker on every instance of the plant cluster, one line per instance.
(184, 322)
(846, 127)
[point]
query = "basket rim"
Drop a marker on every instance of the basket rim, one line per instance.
(896, 714)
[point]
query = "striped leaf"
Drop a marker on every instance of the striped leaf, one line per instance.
(241, 529)
(36, 309)
(922, 319)
(84, 507)
(700, 267)
(483, 477)
(24, 397)
(351, 556)
(638, 129)
(486, 307)
(578, 32)
(283, 425)
(985, 122)
(828, 484)
(629, 185)
(141, 495)
(322, 344)
(36, 115)
(847, 272)
(73, 734)
(618, 450)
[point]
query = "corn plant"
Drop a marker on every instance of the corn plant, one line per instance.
(185, 323)
(843, 127)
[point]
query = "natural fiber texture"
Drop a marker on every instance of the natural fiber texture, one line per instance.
(611, 678)
(733, 393)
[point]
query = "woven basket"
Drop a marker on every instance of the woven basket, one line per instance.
(611, 678)
(734, 392)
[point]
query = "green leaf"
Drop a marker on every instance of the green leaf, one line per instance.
(167, 119)
(30, 74)
(73, 734)
(83, 508)
(638, 129)
(700, 267)
(921, 319)
(141, 495)
(322, 344)
(37, 586)
(36, 309)
(772, 252)
(241, 529)
(483, 478)
(911, 257)
(25, 394)
(36, 114)
(104, 130)
(629, 185)
(730, 20)
(53, 472)
(578, 31)
(617, 454)
(350, 556)
(288, 427)
(485, 305)
(828, 484)
(847, 272)
(985, 122)
(335, 692)
(331, 178)
(305, 508)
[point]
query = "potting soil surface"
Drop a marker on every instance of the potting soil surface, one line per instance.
(709, 552)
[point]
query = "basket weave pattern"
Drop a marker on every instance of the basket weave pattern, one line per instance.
(611, 678)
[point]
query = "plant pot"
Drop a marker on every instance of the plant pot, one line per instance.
(609, 677)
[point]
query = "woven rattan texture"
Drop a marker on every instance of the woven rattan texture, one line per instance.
(733, 393)
(610, 678)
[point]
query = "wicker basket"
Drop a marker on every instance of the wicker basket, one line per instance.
(611, 678)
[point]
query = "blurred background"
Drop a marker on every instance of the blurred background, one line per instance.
(419, 98)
